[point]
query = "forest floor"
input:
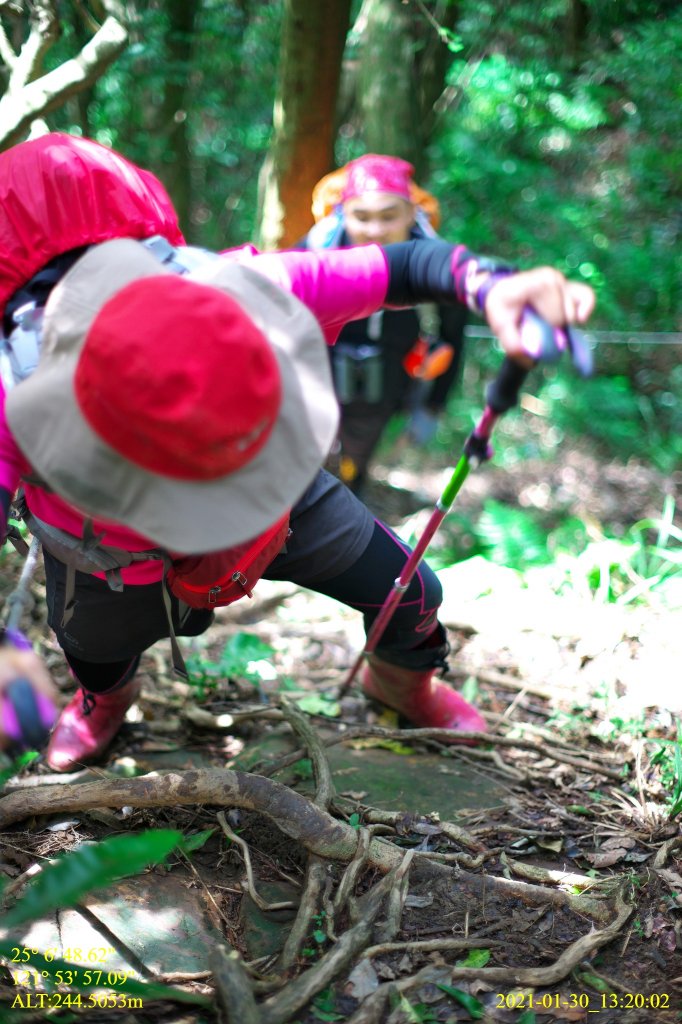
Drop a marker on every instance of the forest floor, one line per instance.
(535, 876)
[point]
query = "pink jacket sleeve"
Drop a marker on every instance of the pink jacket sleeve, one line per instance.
(337, 285)
(12, 462)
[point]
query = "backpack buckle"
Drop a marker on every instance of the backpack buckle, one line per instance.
(240, 578)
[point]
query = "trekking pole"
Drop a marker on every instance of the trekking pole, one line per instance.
(26, 716)
(501, 396)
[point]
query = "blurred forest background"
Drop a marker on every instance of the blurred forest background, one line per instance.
(549, 133)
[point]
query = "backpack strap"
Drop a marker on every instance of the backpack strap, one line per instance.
(179, 666)
(88, 554)
(13, 535)
(82, 554)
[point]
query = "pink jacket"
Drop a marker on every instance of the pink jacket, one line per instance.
(101, 197)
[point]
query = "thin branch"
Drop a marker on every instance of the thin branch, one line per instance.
(427, 946)
(243, 846)
(321, 770)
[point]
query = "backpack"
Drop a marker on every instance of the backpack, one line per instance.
(221, 577)
(207, 581)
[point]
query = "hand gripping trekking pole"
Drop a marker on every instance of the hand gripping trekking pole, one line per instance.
(25, 716)
(538, 338)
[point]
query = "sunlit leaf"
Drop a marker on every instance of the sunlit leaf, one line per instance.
(317, 704)
(473, 1006)
(475, 958)
(88, 868)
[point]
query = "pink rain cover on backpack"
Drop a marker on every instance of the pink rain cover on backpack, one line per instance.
(58, 192)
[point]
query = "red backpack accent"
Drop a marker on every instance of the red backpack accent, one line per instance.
(221, 577)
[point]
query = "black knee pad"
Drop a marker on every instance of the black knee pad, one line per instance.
(430, 653)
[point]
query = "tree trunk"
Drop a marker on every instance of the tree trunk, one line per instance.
(578, 24)
(174, 161)
(434, 64)
(400, 74)
(387, 94)
(301, 151)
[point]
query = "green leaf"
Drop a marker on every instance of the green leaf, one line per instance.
(354, 821)
(396, 747)
(512, 536)
(303, 768)
(91, 867)
(475, 958)
(8, 773)
(318, 704)
(474, 1007)
(195, 842)
(595, 982)
(527, 1018)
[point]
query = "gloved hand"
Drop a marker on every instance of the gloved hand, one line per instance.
(27, 711)
(422, 426)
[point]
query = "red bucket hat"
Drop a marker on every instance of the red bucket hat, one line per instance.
(194, 410)
(375, 173)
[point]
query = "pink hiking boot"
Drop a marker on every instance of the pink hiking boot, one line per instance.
(87, 725)
(425, 701)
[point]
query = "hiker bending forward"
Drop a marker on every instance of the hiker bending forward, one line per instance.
(182, 405)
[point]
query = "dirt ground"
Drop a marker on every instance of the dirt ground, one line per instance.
(559, 898)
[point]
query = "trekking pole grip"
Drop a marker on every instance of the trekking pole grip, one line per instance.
(503, 393)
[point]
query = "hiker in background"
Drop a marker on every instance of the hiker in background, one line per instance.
(168, 411)
(396, 359)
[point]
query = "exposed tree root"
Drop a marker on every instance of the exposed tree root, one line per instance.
(296, 816)
(355, 927)
(372, 1008)
(293, 814)
(234, 991)
(557, 753)
(282, 1006)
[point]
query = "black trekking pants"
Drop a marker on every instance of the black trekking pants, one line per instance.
(336, 548)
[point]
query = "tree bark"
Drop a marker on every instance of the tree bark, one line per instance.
(301, 151)
(174, 114)
(387, 93)
(402, 63)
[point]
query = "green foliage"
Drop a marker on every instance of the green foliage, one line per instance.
(319, 704)
(512, 536)
(668, 759)
(475, 958)
(244, 656)
(89, 868)
(62, 884)
(227, 84)
(323, 1007)
(621, 420)
(414, 1013)
(546, 160)
(473, 1006)
(15, 766)
(191, 843)
(643, 567)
